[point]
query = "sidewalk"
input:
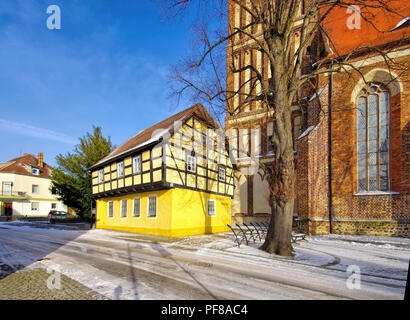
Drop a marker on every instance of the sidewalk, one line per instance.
(31, 284)
(374, 240)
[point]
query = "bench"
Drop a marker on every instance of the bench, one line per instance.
(298, 236)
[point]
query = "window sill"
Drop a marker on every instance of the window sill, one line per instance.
(375, 193)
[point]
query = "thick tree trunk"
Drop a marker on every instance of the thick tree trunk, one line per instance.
(278, 239)
(281, 178)
(281, 172)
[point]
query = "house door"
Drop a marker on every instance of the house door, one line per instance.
(8, 209)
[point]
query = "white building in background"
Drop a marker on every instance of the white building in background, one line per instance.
(25, 188)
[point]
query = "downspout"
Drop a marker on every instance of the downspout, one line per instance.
(330, 200)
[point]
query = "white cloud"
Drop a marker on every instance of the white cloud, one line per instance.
(35, 132)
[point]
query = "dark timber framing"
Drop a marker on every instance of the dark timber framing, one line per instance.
(206, 167)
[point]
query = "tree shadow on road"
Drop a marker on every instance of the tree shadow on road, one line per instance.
(25, 244)
(166, 254)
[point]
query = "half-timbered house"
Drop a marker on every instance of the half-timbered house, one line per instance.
(174, 178)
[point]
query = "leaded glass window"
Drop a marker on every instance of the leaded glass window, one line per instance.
(373, 138)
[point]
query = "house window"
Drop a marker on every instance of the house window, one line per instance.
(136, 164)
(136, 211)
(54, 206)
(120, 169)
(110, 212)
(101, 176)
(34, 206)
(34, 188)
(203, 139)
(35, 171)
(152, 207)
(191, 164)
(124, 208)
(211, 208)
(222, 174)
(373, 138)
(7, 186)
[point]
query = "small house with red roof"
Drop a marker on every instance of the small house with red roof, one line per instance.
(25, 188)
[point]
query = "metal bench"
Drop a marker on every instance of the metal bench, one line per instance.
(294, 237)
(298, 236)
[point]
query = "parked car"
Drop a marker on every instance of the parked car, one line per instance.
(54, 214)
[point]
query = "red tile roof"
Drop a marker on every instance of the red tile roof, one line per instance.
(378, 30)
(153, 134)
(24, 164)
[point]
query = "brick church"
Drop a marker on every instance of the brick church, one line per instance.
(351, 134)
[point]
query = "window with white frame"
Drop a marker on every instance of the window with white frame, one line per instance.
(203, 139)
(7, 188)
(34, 188)
(152, 207)
(54, 206)
(136, 164)
(222, 174)
(101, 176)
(110, 212)
(34, 206)
(136, 211)
(211, 208)
(191, 163)
(120, 169)
(35, 171)
(373, 138)
(124, 208)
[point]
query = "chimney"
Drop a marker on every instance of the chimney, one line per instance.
(40, 160)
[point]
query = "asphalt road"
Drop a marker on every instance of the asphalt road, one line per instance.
(127, 266)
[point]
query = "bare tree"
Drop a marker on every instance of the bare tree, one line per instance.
(277, 22)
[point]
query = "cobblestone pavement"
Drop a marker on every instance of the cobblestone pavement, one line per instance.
(31, 284)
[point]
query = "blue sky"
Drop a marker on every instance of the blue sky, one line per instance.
(107, 66)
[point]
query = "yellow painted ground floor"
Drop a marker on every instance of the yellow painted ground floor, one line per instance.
(172, 213)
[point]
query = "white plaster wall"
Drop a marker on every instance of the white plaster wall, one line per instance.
(239, 201)
(24, 183)
(260, 195)
(23, 208)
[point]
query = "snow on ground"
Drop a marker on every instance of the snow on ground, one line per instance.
(122, 265)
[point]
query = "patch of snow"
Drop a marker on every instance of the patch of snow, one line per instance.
(318, 93)
(306, 132)
(401, 24)
(375, 193)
